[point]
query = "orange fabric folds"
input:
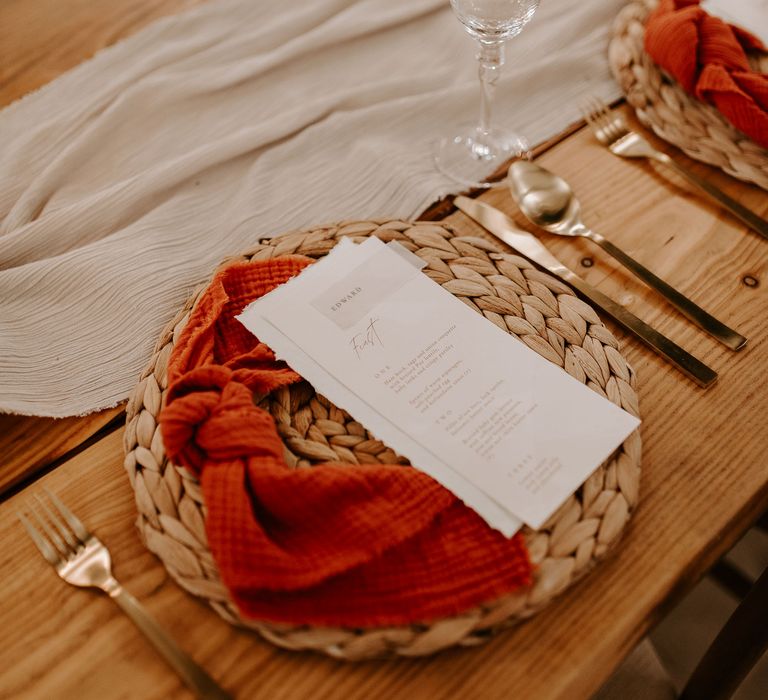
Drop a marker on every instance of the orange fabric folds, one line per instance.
(335, 544)
(708, 58)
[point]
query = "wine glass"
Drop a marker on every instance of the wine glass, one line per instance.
(472, 155)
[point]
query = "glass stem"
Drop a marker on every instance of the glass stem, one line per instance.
(490, 58)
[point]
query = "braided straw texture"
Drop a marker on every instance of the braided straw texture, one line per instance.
(534, 307)
(661, 104)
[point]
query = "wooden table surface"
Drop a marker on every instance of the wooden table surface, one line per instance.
(704, 463)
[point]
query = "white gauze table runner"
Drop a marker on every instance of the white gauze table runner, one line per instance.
(125, 181)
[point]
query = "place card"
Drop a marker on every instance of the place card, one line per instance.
(507, 431)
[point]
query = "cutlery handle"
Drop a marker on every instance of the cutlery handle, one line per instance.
(682, 303)
(746, 216)
(690, 366)
(193, 675)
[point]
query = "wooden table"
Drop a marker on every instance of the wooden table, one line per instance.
(704, 464)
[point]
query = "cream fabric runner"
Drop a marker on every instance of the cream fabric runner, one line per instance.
(124, 182)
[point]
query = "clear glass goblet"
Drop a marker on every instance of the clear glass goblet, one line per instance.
(470, 156)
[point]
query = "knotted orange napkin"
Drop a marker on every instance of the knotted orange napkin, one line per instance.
(708, 58)
(333, 544)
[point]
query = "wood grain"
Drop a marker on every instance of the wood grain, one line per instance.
(29, 444)
(42, 39)
(703, 482)
(58, 641)
(39, 41)
(676, 232)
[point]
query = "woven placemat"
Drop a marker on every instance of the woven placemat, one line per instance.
(661, 104)
(533, 306)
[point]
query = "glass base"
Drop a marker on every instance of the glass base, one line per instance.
(472, 156)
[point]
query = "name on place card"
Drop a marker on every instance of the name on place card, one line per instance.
(508, 432)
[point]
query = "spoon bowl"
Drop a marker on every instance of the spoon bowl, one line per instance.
(545, 198)
(549, 202)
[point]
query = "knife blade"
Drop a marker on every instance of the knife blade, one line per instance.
(501, 226)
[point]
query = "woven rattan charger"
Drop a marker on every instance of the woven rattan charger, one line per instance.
(533, 306)
(661, 104)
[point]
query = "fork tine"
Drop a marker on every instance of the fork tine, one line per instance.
(62, 529)
(50, 554)
(616, 129)
(50, 533)
(589, 117)
(591, 110)
(609, 123)
(588, 106)
(586, 112)
(616, 126)
(593, 105)
(73, 521)
(602, 115)
(600, 106)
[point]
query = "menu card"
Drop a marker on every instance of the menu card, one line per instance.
(508, 432)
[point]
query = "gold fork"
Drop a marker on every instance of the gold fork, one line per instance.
(82, 560)
(611, 130)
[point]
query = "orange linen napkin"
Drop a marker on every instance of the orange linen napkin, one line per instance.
(335, 544)
(708, 58)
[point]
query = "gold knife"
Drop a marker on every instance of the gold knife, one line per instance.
(501, 226)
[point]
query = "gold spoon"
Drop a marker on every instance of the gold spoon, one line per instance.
(548, 201)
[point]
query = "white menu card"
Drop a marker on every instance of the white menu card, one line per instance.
(508, 432)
